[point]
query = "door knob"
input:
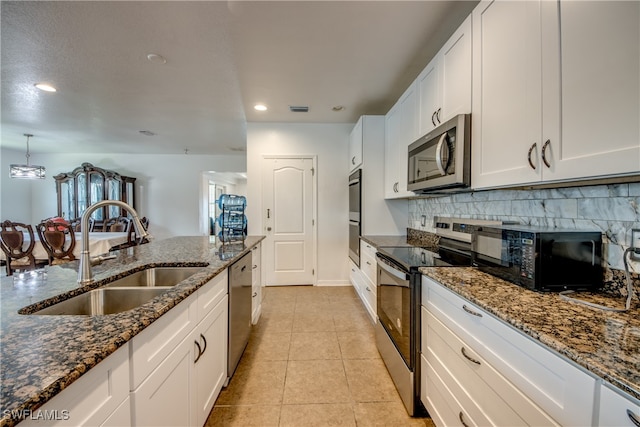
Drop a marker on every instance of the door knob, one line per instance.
(268, 228)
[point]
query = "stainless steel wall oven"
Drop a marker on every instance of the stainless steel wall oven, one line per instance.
(355, 198)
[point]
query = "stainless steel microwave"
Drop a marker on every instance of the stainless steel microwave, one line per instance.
(441, 160)
(540, 259)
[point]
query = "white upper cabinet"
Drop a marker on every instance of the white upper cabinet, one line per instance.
(556, 91)
(597, 130)
(507, 93)
(444, 86)
(355, 147)
(401, 129)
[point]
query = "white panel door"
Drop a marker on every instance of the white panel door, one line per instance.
(288, 201)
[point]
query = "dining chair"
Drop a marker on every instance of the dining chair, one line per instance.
(58, 240)
(17, 241)
(117, 224)
(132, 237)
(76, 224)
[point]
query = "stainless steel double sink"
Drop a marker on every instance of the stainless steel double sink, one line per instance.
(122, 294)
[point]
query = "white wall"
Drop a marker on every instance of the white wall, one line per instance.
(15, 194)
(329, 142)
(168, 187)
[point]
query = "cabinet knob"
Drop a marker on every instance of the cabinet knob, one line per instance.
(255, 294)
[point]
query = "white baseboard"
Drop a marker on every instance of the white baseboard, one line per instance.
(333, 283)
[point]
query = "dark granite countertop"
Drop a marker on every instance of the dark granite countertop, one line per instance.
(603, 342)
(41, 355)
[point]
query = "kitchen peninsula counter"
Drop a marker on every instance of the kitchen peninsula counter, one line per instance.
(43, 354)
(605, 343)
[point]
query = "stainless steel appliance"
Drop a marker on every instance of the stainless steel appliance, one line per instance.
(541, 259)
(398, 293)
(355, 198)
(239, 311)
(441, 160)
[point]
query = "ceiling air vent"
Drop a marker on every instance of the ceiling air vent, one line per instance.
(298, 109)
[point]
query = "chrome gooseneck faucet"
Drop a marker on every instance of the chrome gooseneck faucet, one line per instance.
(84, 271)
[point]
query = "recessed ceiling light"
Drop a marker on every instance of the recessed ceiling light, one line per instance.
(156, 58)
(260, 107)
(338, 108)
(45, 87)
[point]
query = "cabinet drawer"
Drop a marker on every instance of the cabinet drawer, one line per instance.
(474, 381)
(368, 261)
(150, 347)
(614, 407)
(562, 390)
(441, 403)
(211, 294)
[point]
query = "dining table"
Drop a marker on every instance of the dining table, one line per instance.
(99, 243)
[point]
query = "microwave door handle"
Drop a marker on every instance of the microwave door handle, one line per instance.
(439, 154)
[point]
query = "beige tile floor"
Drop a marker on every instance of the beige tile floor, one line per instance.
(311, 361)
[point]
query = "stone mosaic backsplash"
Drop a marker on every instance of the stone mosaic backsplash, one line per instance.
(612, 209)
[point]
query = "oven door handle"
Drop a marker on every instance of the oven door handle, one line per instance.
(384, 264)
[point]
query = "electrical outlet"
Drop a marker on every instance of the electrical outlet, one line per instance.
(635, 243)
(423, 220)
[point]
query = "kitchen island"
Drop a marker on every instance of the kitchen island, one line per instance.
(43, 355)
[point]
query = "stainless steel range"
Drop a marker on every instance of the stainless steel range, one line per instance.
(398, 293)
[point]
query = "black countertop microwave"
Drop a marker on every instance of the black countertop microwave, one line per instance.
(541, 259)
(441, 160)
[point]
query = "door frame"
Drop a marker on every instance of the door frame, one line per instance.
(314, 202)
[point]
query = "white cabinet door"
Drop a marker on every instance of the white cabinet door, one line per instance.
(616, 409)
(401, 129)
(211, 359)
(165, 397)
(355, 146)
(595, 129)
(507, 93)
(91, 400)
(454, 67)
(444, 86)
(428, 97)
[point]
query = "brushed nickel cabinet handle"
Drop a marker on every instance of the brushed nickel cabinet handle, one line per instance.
(472, 312)
(469, 358)
(544, 153)
(633, 417)
(353, 160)
(529, 155)
(199, 352)
(438, 115)
(461, 416)
(433, 120)
(205, 343)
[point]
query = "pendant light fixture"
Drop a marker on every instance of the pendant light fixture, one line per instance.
(27, 171)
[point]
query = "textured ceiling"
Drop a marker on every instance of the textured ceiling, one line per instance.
(222, 58)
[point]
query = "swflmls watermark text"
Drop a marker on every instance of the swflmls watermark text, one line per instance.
(38, 414)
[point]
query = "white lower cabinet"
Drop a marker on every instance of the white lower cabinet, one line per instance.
(478, 370)
(95, 399)
(183, 379)
(617, 409)
(256, 283)
(210, 366)
(364, 279)
(165, 398)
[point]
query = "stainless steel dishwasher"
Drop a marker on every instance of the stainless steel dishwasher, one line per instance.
(239, 311)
